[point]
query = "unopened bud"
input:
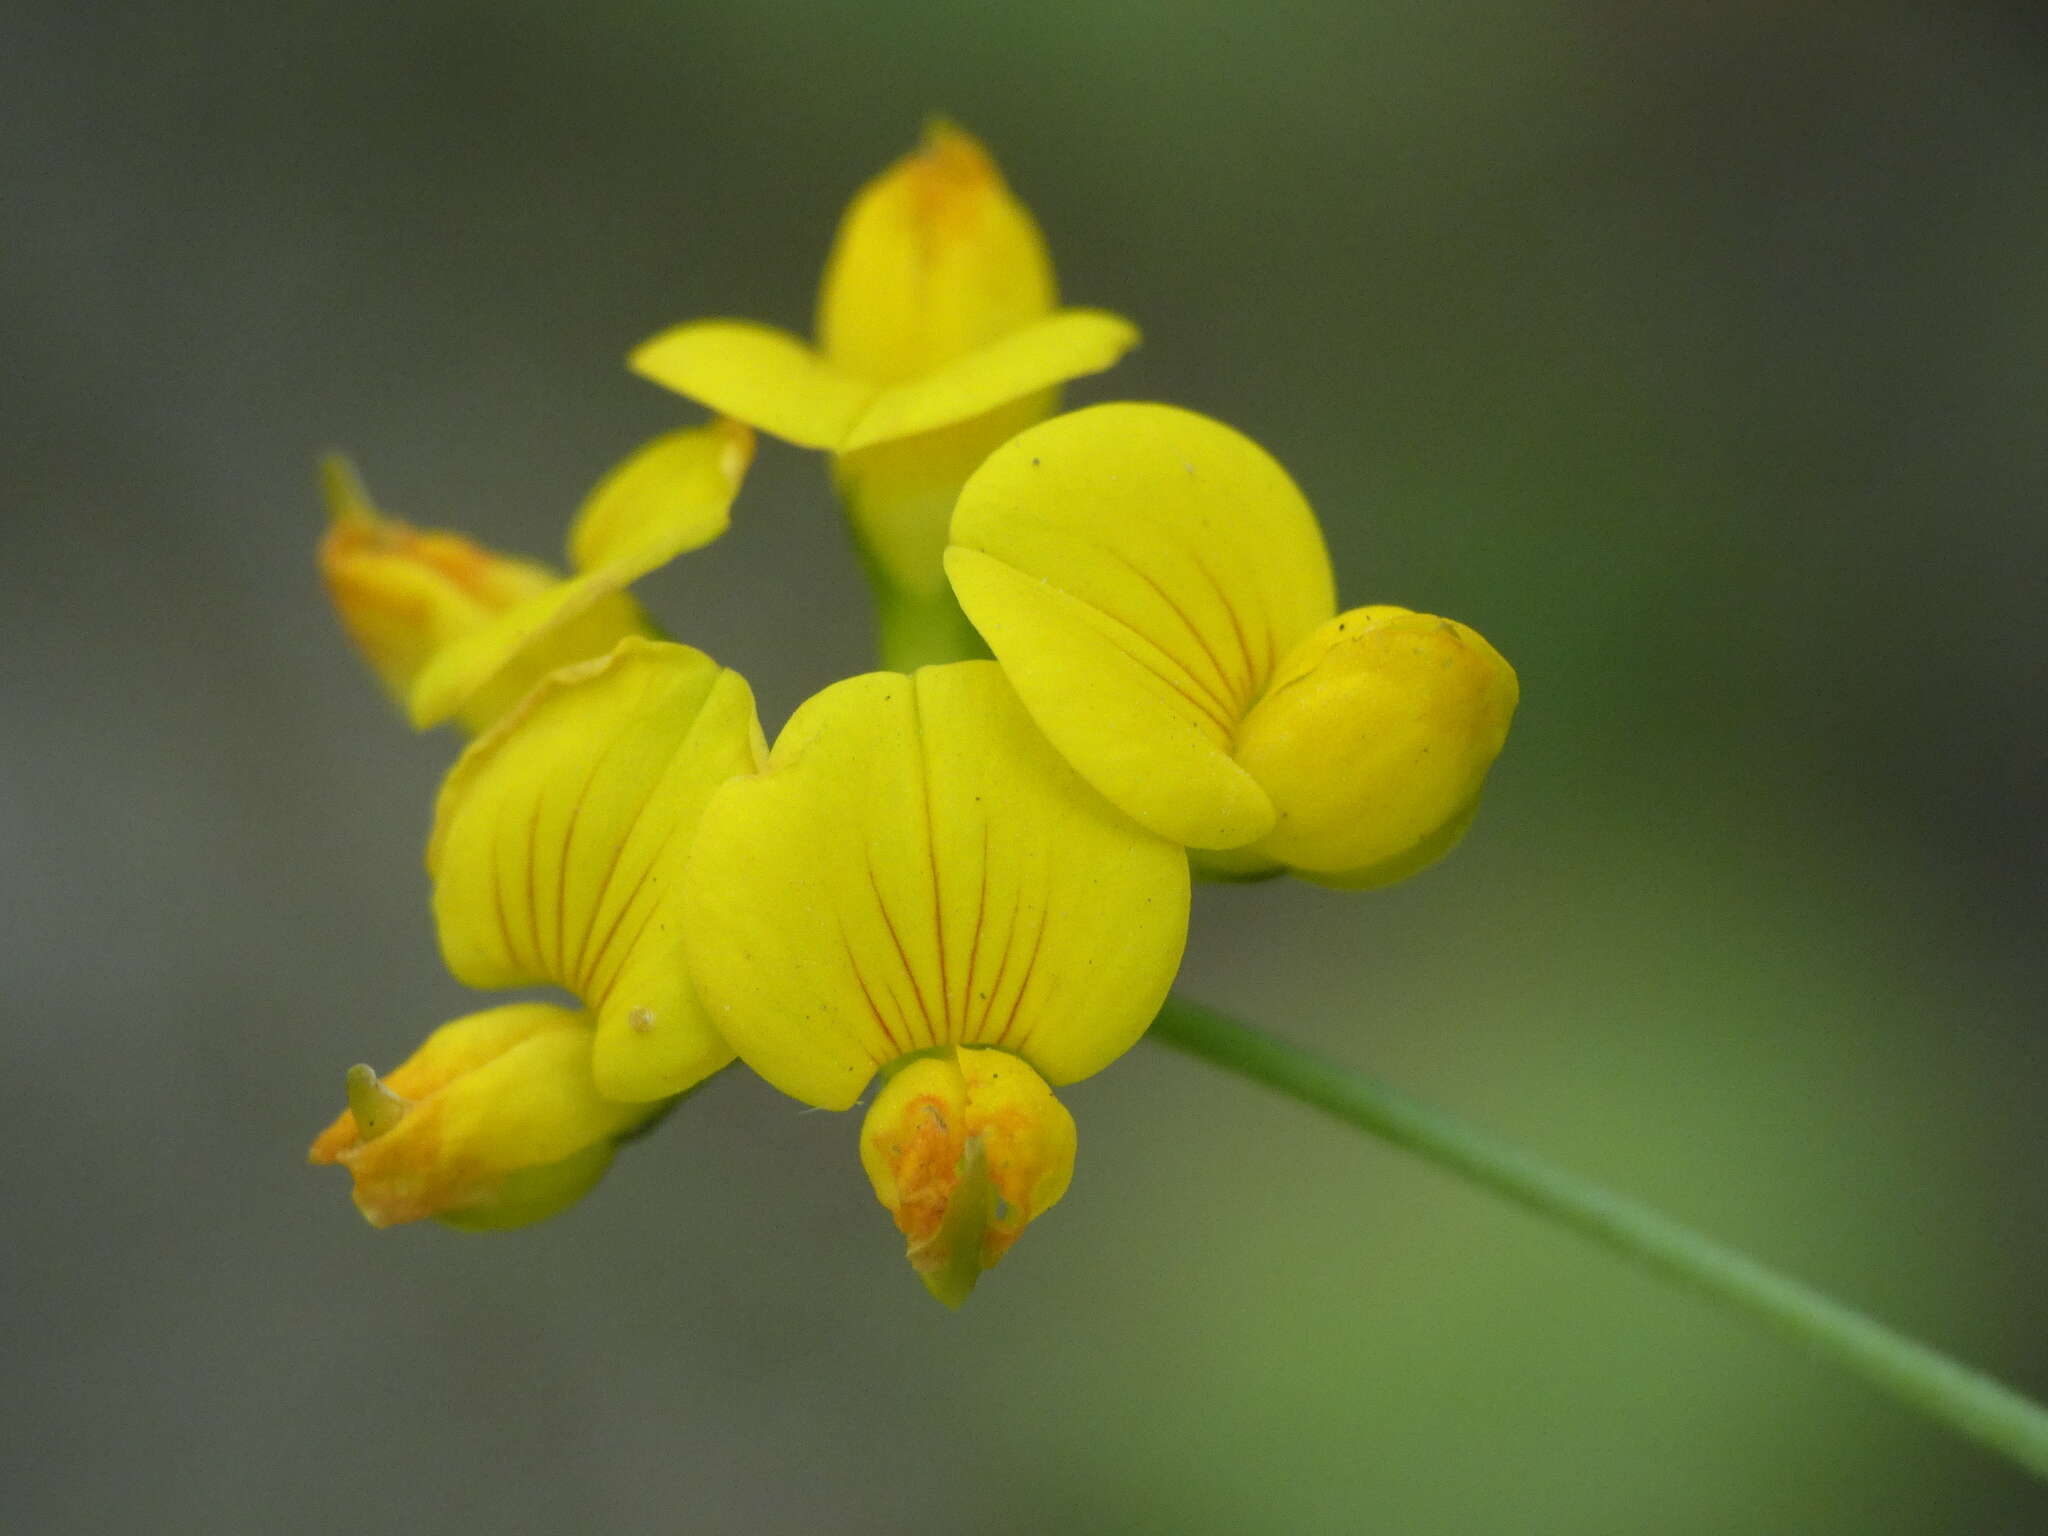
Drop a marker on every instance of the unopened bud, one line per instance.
(934, 258)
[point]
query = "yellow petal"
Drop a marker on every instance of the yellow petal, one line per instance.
(1139, 571)
(965, 1148)
(495, 1121)
(478, 677)
(1374, 742)
(916, 868)
(1022, 364)
(901, 469)
(934, 258)
(670, 496)
(759, 375)
(1116, 707)
(559, 838)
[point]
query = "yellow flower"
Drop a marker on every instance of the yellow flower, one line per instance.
(455, 630)
(938, 339)
(493, 1122)
(559, 841)
(916, 871)
(558, 844)
(1158, 593)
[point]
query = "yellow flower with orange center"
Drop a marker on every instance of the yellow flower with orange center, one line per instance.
(915, 885)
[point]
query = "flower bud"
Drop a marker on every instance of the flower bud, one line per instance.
(938, 338)
(493, 1122)
(965, 1147)
(1373, 740)
(934, 258)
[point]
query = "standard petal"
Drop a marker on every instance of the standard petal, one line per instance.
(1145, 736)
(916, 868)
(1025, 362)
(759, 375)
(668, 497)
(559, 838)
(1139, 571)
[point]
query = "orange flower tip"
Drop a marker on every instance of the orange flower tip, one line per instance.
(950, 160)
(376, 1108)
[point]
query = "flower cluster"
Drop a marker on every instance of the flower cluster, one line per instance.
(952, 887)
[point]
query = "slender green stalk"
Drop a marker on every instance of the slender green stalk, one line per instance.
(1964, 1399)
(915, 632)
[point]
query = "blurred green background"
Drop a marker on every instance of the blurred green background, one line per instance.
(1691, 353)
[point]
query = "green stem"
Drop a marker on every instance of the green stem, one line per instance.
(915, 632)
(1964, 1399)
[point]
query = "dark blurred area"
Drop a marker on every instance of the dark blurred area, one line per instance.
(1692, 353)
